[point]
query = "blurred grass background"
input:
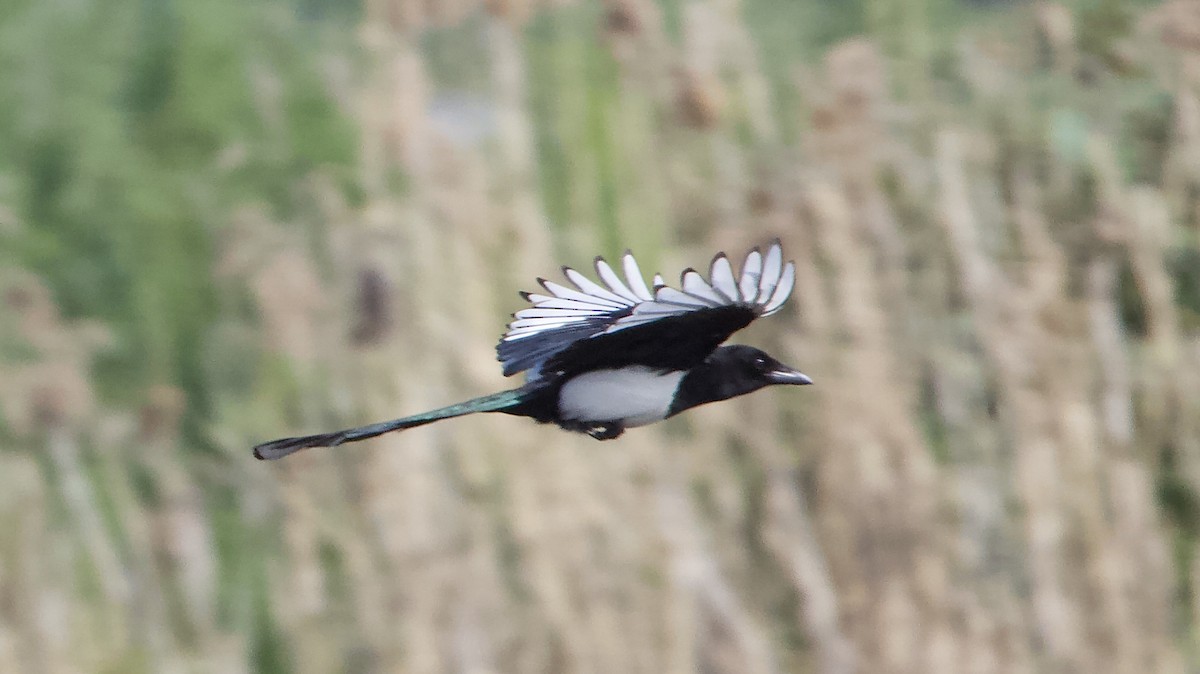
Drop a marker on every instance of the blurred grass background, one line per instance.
(225, 221)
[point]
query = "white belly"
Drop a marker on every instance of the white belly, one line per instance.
(634, 396)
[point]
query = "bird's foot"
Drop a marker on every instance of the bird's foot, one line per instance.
(605, 431)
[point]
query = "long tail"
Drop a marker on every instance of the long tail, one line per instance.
(497, 402)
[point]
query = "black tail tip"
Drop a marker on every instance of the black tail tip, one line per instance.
(269, 451)
(277, 449)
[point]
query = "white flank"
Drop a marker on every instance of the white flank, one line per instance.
(635, 396)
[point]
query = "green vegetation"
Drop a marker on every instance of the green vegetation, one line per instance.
(224, 221)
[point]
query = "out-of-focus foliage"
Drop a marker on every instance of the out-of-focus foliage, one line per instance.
(225, 221)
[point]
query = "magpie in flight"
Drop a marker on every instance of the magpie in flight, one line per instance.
(602, 358)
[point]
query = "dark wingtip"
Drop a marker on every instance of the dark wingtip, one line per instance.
(524, 295)
(600, 261)
(685, 272)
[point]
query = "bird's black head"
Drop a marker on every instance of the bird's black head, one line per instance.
(732, 371)
(751, 365)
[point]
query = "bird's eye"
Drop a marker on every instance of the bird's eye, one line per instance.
(760, 362)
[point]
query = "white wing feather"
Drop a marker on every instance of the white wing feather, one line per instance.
(770, 274)
(723, 280)
(614, 282)
(782, 291)
(695, 285)
(592, 288)
(633, 275)
(563, 292)
(751, 272)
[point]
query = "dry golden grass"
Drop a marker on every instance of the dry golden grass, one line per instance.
(994, 473)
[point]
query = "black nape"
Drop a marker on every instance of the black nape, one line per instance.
(729, 372)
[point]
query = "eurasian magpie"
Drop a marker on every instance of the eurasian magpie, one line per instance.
(602, 358)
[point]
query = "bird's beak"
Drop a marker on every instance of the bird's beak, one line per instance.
(787, 375)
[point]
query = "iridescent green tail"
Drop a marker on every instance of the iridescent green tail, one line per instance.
(497, 402)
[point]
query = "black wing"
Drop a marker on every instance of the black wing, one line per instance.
(623, 322)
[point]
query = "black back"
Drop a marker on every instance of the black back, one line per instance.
(676, 343)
